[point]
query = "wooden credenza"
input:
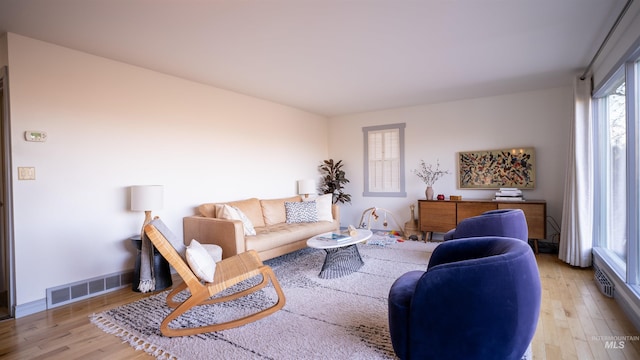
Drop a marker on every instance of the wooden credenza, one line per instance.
(443, 215)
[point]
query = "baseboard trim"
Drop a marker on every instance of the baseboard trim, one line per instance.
(79, 290)
(30, 308)
(70, 293)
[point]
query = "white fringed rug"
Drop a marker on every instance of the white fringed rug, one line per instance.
(343, 318)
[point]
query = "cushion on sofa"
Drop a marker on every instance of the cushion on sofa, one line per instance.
(233, 213)
(273, 210)
(270, 237)
(207, 210)
(251, 208)
(323, 206)
(301, 212)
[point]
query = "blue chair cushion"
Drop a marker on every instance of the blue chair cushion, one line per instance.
(501, 222)
(400, 297)
(478, 299)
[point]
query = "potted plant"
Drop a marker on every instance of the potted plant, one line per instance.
(333, 180)
(429, 176)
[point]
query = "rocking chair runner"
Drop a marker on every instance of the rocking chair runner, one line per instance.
(229, 272)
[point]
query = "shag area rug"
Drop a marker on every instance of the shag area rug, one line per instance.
(343, 318)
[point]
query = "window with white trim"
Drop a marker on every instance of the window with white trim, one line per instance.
(384, 160)
(617, 163)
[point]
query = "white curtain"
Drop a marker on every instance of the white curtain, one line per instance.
(576, 232)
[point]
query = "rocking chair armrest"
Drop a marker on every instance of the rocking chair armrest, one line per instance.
(228, 234)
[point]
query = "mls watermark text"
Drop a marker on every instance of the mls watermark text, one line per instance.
(615, 341)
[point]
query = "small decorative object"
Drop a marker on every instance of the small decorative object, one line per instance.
(352, 230)
(494, 169)
(440, 196)
(429, 176)
(376, 218)
(455, 197)
(333, 180)
(411, 226)
(429, 193)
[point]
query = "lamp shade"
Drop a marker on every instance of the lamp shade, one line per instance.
(306, 186)
(146, 197)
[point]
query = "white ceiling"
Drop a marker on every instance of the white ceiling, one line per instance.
(334, 57)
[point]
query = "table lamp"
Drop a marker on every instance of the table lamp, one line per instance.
(306, 187)
(146, 198)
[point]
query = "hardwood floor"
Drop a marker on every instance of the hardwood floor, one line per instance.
(67, 333)
(575, 320)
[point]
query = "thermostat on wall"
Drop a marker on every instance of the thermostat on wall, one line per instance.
(33, 135)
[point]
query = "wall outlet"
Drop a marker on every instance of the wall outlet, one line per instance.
(26, 173)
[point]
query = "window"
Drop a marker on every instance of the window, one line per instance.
(616, 173)
(617, 162)
(384, 160)
(612, 139)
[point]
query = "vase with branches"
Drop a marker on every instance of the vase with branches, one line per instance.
(429, 176)
(333, 180)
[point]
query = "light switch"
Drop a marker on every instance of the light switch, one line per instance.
(26, 173)
(35, 135)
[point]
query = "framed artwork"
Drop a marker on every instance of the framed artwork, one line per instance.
(493, 169)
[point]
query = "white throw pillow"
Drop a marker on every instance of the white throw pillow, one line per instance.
(301, 212)
(214, 251)
(246, 222)
(233, 213)
(200, 262)
(323, 205)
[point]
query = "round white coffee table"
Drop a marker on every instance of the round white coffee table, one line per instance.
(342, 257)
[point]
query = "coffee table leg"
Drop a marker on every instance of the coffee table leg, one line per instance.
(341, 261)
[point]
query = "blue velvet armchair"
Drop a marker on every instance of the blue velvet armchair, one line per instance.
(478, 299)
(503, 222)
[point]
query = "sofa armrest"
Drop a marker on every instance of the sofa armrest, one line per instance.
(228, 234)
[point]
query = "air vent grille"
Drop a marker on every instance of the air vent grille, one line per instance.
(69, 293)
(604, 284)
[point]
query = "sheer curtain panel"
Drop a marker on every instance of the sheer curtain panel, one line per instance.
(576, 234)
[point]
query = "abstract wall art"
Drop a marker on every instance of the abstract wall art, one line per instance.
(493, 169)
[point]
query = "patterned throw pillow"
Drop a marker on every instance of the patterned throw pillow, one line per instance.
(301, 212)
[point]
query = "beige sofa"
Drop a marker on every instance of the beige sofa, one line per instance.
(274, 236)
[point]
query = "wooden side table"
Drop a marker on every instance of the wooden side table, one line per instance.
(161, 268)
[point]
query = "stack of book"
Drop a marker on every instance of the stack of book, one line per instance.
(509, 194)
(334, 237)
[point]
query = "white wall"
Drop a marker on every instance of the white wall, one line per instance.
(540, 119)
(111, 125)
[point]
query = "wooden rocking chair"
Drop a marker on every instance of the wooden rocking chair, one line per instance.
(229, 272)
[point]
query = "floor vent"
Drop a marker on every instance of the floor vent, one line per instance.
(604, 284)
(66, 294)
